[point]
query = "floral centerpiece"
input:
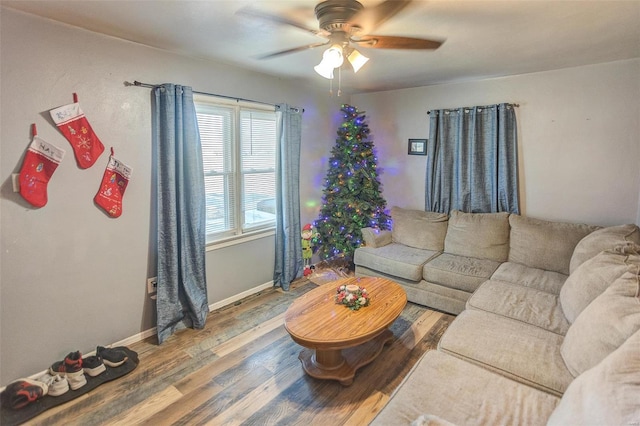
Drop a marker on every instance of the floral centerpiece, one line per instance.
(352, 296)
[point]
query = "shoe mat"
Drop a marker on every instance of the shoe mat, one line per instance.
(9, 416)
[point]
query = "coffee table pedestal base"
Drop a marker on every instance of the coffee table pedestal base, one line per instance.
(341, 365)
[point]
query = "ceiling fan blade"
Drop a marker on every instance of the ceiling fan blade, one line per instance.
(370, 18)
(294, 50)
(393, 42)
(253, 13)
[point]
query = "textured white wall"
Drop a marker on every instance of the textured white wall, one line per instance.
(71, 277)
(578, 129)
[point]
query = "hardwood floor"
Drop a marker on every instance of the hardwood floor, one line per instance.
(243, 368)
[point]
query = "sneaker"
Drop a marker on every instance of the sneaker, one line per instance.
(70, 366)
(57, 384)
(76, 381)
(23, 392)
(93, 365)
(111, 357)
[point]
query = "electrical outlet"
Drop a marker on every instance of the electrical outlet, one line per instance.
(152, 285)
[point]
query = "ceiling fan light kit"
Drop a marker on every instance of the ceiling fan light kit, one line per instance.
(324, 69)
(357, 60)
(333, 58)
(347, 23)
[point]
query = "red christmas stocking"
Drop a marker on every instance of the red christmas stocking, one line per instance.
(74, 126)
(40, 161)
(114, 182)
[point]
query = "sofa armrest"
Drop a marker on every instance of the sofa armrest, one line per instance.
(375, 237)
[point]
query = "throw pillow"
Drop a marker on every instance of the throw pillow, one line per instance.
(419, 229)
(479, 235)
(606, 394)
(592, 278)
(543, 244)
(373, 237)
(603, 239)
(604, 325)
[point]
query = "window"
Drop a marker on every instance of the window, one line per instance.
(239, 156)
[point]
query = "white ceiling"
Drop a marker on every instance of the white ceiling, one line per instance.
(482, 38)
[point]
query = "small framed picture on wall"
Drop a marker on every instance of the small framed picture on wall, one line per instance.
(417, 146)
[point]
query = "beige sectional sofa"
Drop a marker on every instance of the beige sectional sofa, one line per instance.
(549, 318)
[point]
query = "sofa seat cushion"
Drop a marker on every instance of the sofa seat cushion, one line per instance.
(459, 272)
(607, 394)
(437, 296)
(520, 351)
(603, 239)
(543, 244)
(423, 293)
(419, 229)
(593, 277)
(480, 235)
(524, 304)
(526, 276)
(448, 388)
(394, 259)
(605, 324)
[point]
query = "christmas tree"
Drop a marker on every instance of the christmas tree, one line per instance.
(351, 197)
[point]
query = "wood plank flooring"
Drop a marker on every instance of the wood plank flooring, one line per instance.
(243, 369)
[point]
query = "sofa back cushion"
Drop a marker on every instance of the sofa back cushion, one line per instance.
(543, 244)
(419, 229)
(479, 235)
(606, 394)
(593, 277)
(604, 325)
(603, 239)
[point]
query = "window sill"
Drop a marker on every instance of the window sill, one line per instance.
(240, 239)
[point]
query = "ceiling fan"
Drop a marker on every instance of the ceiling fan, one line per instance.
(347, 24)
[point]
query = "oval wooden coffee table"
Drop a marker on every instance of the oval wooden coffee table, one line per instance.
(337, 340)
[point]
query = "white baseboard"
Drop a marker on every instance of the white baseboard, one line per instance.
(135, 338)
(152, 331)
(217, 305)
(235, 298)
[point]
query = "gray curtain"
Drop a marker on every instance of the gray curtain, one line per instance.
(288, 263)
(472, 160)
(182, 288)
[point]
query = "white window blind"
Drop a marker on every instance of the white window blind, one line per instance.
(239, 157)
(258, 164)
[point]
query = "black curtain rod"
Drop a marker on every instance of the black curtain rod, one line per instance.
(151, 86)
(513, 105)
